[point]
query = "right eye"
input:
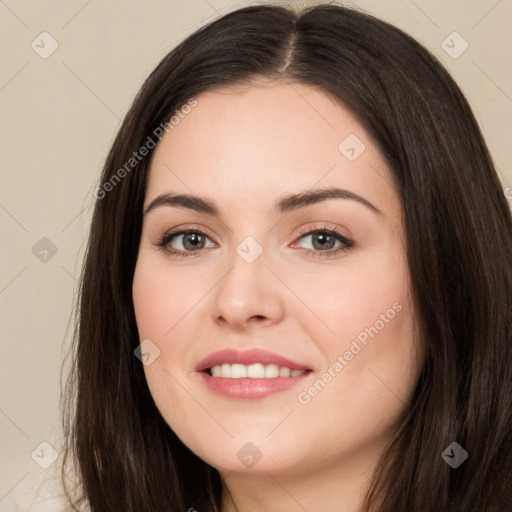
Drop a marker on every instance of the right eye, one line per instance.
(192, 241)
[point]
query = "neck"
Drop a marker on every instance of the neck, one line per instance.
(336, 487)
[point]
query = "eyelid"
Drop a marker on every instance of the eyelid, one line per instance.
(189, 227)
(309, 228)
(304, 230)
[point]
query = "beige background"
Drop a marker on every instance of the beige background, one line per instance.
(59, 116)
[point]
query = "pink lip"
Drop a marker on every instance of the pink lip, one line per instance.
(249, 388)
(246, 387)
(254, 355)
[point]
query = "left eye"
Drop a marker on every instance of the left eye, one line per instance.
(321, 240)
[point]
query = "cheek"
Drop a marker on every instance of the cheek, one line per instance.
(166, 305)
(160, 298)
(347, 300)
(375, 363)
(368, 329)
(160, 301)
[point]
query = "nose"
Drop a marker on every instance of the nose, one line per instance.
(248, 295)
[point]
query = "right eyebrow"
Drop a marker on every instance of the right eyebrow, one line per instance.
(190, 201)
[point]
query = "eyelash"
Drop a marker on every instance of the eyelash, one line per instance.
(347, 244)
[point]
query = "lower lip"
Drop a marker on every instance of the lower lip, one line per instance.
(250, 388)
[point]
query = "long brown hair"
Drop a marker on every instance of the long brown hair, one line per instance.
(458, 227)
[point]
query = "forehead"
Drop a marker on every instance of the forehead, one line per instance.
(282, 115)
(259, 140)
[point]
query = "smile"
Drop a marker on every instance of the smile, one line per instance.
(253, 371)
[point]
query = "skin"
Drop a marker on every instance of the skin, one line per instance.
(244, 147)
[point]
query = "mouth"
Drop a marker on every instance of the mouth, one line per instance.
(251, 374)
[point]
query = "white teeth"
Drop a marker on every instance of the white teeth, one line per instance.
(256, 371)
(271, 371)
(238, 371)
(284, 372)
(225, 370)
(253, 371)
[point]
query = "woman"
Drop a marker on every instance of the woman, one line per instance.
(297, 290)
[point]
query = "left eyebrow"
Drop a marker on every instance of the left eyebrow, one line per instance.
(284, 205)
(302, 200)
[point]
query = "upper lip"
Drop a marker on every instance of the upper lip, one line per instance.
(247, 357)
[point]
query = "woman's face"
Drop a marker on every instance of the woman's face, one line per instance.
(311, 282)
